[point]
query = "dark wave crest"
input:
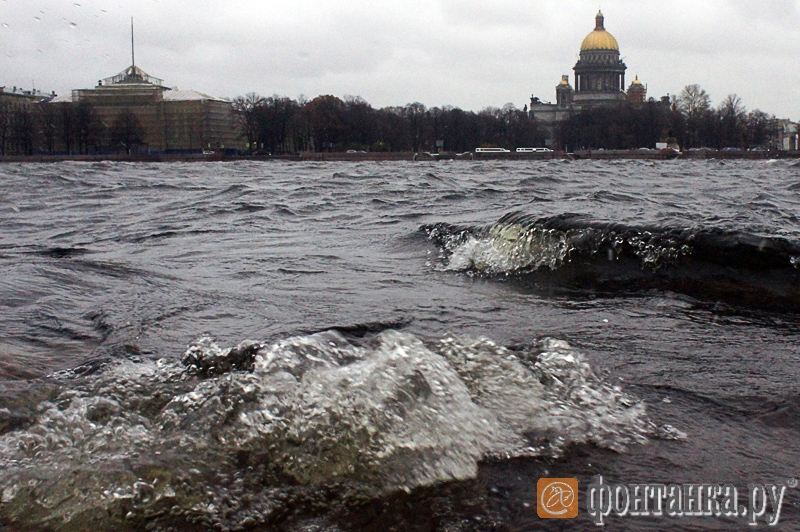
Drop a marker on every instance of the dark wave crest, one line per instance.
(734, 266)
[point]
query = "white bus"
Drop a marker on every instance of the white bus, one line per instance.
(534, 150)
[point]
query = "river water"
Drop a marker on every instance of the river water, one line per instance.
(341, 346)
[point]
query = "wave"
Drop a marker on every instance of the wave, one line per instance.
(569, 248)
(230, 438)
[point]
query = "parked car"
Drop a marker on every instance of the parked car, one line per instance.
(492, 150)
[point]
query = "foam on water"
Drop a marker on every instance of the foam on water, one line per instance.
(738, 267)
(232, 436)
(518, 242)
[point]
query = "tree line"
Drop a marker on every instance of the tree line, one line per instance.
(64, 128)
(278, 124)
(688, 120)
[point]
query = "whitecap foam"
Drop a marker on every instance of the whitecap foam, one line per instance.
(515, 244)
(223, 438)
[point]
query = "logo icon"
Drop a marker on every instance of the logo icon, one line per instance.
(557, 498)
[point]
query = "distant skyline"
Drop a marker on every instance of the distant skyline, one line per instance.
(466, 53)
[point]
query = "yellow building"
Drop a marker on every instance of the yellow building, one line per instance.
(599, 82)
(164, 120)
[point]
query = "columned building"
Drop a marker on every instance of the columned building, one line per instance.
(637, 92)
(17, 119)
(137, 112)
(599, 82)
(169, 120)
(599, 73)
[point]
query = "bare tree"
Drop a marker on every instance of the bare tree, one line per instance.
(733, 107)
(48, 122)
(732, 114)
(86, 125)
(5, 122)
(67, 129)
(758, 128)
(693, 101)
(23, 131)
(326, 120)
(127, 131)
(414, 113)
(247, 108)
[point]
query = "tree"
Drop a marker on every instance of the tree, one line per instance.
(732, 115)
(127, 131)
(360, 123)
(23, 131)
(247, 108)
(757, 128)
(86, 125)
(67, 126)
(48, 122)
(693, 101)
(414, 113)
(275, 119)
(5, 123)
(326, 121)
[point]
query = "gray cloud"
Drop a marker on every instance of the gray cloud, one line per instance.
(468, 53)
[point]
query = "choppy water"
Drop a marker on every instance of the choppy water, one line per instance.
(390, 345)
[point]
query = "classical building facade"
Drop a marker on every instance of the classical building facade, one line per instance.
(164, 120)
(784, 135)
(17, 119)
(599, 81)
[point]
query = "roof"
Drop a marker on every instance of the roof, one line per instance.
(62, 98)
(133, 74)
(175, 95)
(599, 39)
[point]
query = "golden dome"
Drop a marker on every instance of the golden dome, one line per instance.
(636, 81)
(599, 39)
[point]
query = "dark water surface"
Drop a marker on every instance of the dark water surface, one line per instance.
(321, 346)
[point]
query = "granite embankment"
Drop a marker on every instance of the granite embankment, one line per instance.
(411, 156)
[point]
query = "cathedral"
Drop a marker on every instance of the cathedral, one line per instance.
(599, 81)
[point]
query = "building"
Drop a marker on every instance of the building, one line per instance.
(17, 119)
(637, 92)
(599, 73)
(783, 135)
(137, 112)
(599, 82)
(18, 98)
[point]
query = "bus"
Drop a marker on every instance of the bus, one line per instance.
(534, 150)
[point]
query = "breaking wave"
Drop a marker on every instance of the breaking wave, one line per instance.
(735, 266)
(237, 437)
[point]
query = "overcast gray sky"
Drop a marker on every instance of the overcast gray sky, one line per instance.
(466, 53)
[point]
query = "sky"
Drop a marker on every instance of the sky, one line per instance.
(465, 53)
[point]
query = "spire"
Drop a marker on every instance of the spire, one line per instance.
(133, 55)
(599, 21)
